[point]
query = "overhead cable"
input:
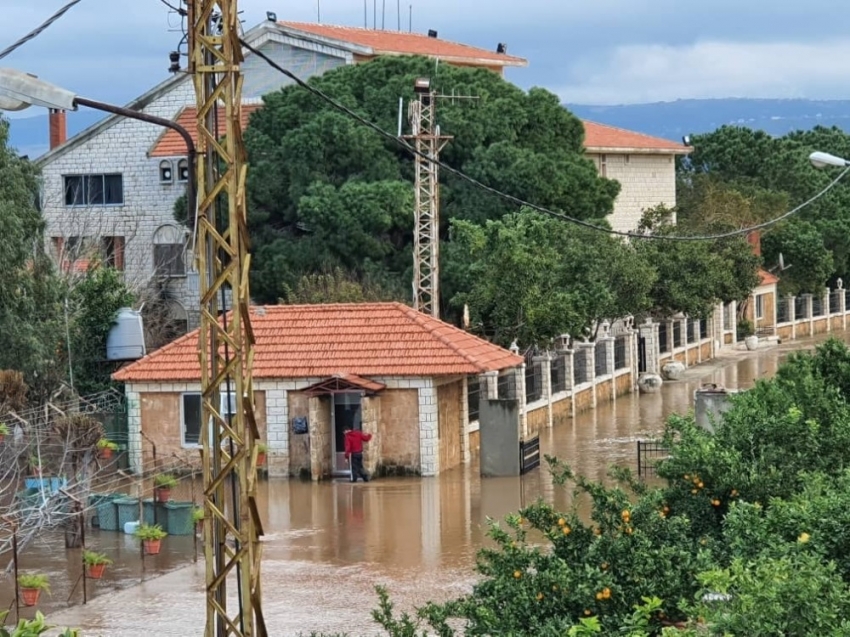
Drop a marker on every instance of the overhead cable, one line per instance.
(38, 30)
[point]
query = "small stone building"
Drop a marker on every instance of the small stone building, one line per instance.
(394, 372)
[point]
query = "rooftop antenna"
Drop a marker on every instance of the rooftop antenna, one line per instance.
(365, 15)
(383, 15)
(319, 11)
(398, 12)
(410, 28)
(375, 14)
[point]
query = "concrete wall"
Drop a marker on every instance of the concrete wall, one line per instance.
(500, 438)
(646, 181)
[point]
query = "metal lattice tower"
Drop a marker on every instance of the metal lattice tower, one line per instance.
(232, 527)
(426, 236)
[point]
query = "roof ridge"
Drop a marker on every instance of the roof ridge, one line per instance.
(423, 319)
(632, 132)
(161, 350)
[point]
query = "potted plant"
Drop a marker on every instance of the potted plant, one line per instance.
(31, 585)
(262, 450)
(4, 430)
(106, 449)
(95, 564)
(163, 484)
(151, 537)
(198, 519)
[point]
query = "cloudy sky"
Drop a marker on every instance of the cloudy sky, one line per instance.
(587, 51)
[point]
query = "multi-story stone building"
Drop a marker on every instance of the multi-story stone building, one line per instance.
(110, 190)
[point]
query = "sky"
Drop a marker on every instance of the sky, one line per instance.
(586, 51)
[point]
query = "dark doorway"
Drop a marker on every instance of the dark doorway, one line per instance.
(346, 414)
(642, 354)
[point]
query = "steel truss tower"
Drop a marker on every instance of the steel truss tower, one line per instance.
(232, 527)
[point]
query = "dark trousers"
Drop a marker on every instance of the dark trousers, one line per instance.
(357, 470)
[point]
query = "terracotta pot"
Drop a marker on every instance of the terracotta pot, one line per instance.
(105, 453)
(152, 547)
(2, 436)
(29, 596)
(95, 571)
(163, 494)
(261, 458)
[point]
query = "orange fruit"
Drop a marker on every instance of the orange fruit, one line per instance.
(599, 596)
(566, 530)
(604, 566)
(517, 574)
(539, 596)
(715, 503)
(561, 521)
(694, 491)
(587, 612)
(606, 593)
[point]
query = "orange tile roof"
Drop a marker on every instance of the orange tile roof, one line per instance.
(403, 43)
(604, 137)
(171, 144)
(767, 278)
(317, 341)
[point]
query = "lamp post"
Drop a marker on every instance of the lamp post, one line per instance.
(20, 90)
(823, 160)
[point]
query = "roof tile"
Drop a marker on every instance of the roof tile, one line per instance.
(171, 144)
(315, 341)
(602, 136)
(400, 42)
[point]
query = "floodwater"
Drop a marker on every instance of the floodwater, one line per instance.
(327, 545)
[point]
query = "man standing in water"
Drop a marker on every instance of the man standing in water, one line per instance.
(354, 439)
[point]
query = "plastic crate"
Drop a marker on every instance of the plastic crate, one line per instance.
(180, 518)
(128, 510)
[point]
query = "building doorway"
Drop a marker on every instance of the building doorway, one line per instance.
(346, 414)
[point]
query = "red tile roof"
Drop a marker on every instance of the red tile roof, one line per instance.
(603, 137)
(767, 278)
(316, 341)
(402, 43)
(171, 144)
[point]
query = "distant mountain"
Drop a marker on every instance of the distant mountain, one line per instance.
(30, 135)
(672, 120)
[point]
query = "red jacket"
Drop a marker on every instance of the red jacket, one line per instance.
(354, 441)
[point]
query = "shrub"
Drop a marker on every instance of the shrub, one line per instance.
(91, 558)
(37, 581)
(165, 481)
(148, 532)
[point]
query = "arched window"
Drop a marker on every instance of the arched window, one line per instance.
(169, 251)
(183, 170)
(166, 172)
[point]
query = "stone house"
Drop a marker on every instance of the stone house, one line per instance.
(644, 165)
(399, 374)
(111, 189)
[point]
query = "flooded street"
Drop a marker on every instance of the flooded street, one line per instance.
(327, 545)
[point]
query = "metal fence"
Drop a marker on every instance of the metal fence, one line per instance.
(703, 329)
(507, 386)
(835, 302)
(620, 359)
(473, 395)
(580, 366)
(691, 327)
(533, 381)
(649, 452)
(601, 354)
(677, 334)
(558, 374)
(800, 308)
(782, 311)
(817, 306)
(529, 455)
(663, 338)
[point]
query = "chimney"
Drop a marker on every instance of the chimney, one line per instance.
(754, 239)
(58, 128)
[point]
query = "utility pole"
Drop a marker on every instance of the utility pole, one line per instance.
(426, 237)
(232, 528)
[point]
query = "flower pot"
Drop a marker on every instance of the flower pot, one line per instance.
(261, 458)
(163, 494)
(105, 454)
(152, 547)
(29, 596)
(95, 571)
(752, 342)
(2, 436)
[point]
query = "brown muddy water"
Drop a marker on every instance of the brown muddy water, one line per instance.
(327, 545)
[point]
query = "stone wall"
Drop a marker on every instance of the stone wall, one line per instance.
(399, 431)
(450, 414)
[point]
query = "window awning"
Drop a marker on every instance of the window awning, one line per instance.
(344, 384)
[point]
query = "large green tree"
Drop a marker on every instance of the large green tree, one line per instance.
(326, 192)
(754, 161)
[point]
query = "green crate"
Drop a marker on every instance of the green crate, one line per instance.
(180, 518)
(128, 510)
(107, 515)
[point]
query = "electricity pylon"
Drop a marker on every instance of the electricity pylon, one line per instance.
(232, 527)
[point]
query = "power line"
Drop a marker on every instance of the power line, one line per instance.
(521, 202)
(38, 30)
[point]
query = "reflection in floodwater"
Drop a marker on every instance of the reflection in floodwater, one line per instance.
(327, 545)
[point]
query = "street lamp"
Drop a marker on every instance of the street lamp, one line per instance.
(20, 90)
(822, 160)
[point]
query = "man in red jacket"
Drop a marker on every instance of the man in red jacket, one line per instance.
(354, 439)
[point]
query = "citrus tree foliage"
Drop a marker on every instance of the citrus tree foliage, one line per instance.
(527, 277)
(748, 533)
(750, 159)
(326, 192)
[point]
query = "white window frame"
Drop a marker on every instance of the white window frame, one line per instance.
(183, 443)
(226, 408)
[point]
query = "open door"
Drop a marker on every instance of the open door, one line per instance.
(347, 414)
